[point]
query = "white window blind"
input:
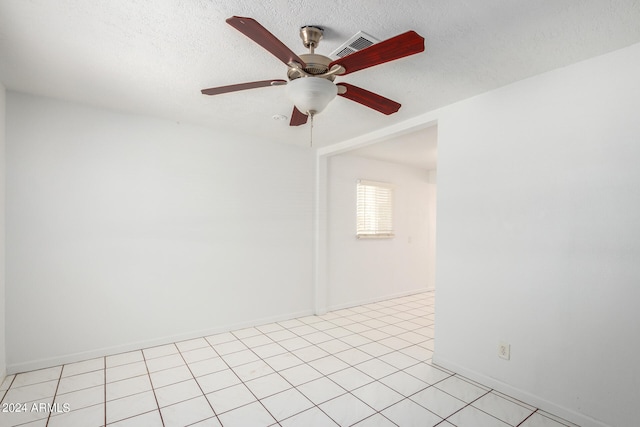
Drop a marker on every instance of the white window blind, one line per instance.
(374, 209)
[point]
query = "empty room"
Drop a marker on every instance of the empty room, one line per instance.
(218, 213)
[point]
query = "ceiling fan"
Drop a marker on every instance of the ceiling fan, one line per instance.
(311, 76)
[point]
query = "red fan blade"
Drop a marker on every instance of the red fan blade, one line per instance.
(397, 47)
(242, 86)
(298, 117)
(369, 99)
(256, 32)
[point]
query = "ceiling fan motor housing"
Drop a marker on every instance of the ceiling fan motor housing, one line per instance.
(315, 65)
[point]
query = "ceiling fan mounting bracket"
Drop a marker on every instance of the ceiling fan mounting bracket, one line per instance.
(311, 35)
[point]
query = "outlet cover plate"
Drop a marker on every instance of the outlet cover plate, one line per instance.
(504, 350)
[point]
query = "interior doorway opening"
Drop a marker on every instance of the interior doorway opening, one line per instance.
(359, 271)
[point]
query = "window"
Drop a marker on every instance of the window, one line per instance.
(375, 209)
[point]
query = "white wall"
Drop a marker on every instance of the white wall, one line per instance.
(538, 226)
(3, 358)
(431, 228)
(126, 231)
(371, 269)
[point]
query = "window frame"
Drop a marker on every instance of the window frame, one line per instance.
(374, 212)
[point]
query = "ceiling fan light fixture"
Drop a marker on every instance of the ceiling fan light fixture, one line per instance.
(311, 95)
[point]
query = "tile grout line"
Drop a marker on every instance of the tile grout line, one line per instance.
(104, 361)
(483, 395)
(215, 414)
(54, 394)
(242, 381)
(8, 388)
(556, 419)
(471, 404)
(152, 388)
(530, 415)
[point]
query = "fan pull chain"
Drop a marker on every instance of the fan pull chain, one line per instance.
(311, 131)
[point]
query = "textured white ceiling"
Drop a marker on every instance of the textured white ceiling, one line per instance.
(418, 149)
(153, 57)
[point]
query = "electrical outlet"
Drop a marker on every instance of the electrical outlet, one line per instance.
(504, 350)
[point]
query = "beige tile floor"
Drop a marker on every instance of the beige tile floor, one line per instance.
(367, 366)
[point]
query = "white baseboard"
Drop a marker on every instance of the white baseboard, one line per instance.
(107, 351)
(524, 396)
(378, 299)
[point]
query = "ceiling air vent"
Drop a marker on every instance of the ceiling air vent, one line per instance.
(358, 42)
